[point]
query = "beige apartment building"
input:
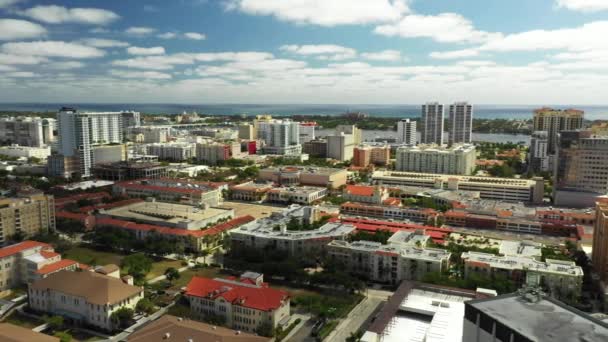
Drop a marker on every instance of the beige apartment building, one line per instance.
(554, 121)
(305, 175)
(27, 215)
(454, 160)
(600, 239)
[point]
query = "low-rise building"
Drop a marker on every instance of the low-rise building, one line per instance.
(172, 151)
(502, 189)
(121, 171)
(404, 258)
(26, 215)
(85, 297)
(316, 148)
(562, 278)
(14, 333)
(171, 190)
(425, 215)
(25, 151)
(365, 194)
(454, 160)
(27, 261)
(245, 304)
(296, 194)
(250, 191)
(304, 175)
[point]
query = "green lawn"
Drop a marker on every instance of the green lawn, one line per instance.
(23, 321)
(186, 276)
(327, 329)
(329, 304)
(92, 257)
(159, 267)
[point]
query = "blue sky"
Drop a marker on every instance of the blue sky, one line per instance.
(304, 51)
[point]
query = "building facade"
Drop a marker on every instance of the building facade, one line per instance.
(553, 121)
(431, 124)
(406, 132)
(172, 151)
(27, 131)
(17, 151)
(454, 160)
(340, 147)
(213, 153)
(538, 157)
(461, 123)
(26, 215)
(304, 175)
(365, 155)
(281, 136)
(600, 239)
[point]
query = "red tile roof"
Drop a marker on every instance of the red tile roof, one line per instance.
(48, 255)
(360, 190)
(437, 234)
(74, 198)
(56, 266)
(21, 246)
(258, 298)
(70, 215)
(136, 186)
(116, 204)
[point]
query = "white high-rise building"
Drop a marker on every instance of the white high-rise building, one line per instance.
(130, 119)
(431, 124)
(307, 131)
(27, 131)
(281, 136)
(340, 147)
(455, 160)
(461, 123)
(406, 132)
(79, 131)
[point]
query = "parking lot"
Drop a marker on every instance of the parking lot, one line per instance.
(254, 209)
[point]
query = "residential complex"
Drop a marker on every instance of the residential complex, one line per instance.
(406, 131)
(461, 123)
(244, 304)
(505, 189)
(307, 131)
(600, 239)
(172, 151)
(554, 121)
(171, 190)
(424, 215)
(281, 136)
(26, 215)
(27, 131)
(454, 160)
(304, 175)
(538, 157)
(404, 258)
(212, 153)
(85, 297)
(18, 151)
(365, 155)
(351, 130)
(431, 124)
(340, 147)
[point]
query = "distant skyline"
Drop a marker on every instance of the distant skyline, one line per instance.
(516, 52)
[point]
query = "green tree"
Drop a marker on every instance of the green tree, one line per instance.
(55, 322)
(63, 336)
(172, 274)
(137, 265)
(144, 306)
(122, 318)
(265, 329)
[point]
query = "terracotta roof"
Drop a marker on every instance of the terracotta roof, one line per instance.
(14, 333)
(48, 254)
(56, 266)
(21, 246)
(94, 287)
(185, 329)
(110, 205)
(359, 190)
(74, 198)
(259, 298)
(70, 215)
(137, 186)
(109, 268)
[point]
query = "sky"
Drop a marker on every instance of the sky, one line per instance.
(304, 51)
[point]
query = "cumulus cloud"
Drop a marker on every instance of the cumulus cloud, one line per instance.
(167, 35)
(152, 75)
(169, 61)
(584, 5)
(8, 3)
(14, 29)
(7, 68)
(52, 49)
(53, 14)
(444, 28)
(326, 12)
(17, 59)
(140, 30)
(104, 43)
(455, 54)
(321, 51)
(20, 74)
(68, 65)
(386, 55)
(143, 51)
(195, 36)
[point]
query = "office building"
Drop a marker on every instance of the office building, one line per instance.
(406, 132)
(307, 131)
(281, 136)
(528, 316)
(175, 151)
(461, 123)
(404, 258)
(365, 155)
(180, 329)
(453, 160)
(26, 215)
(121, 171)
(304, 175)
(600, 239)
(27, 131)
(553, 121)
(212, 153)
(86, 297)
(581, 172)
(351, 130)
(80, 131)
(244, 304)
(340, 147)
(316, 148)
(431, 124)
(538, 157)
(503, 189)
(28, 261)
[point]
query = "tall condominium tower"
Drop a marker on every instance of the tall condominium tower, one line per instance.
(80, 131)
(461, 123)
(406, 132)
(600, 239)
(281, 136)
(554, 121)
(431, 124)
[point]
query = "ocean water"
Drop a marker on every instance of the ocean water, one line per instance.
(400, 111)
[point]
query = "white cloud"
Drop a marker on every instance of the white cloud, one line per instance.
(195, 36)
(444, 28)
(16, 59)
(58, 14)
(142, 51)
(325, 12)
(20, 74)
(8, 3)
(322, 51)
(456, 54)
(386, 55)
(169, 61)
(13, 29)
(140, 30)
(167, 35)
(52, 49)
(104, 43)
(152, 75)
(584, 5)
(7, 68)
(68, 65)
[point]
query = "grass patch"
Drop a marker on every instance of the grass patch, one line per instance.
(21, 320)
(186, 276)
(160, 266)
(92, 257)
(326, 305)
(327, 329)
